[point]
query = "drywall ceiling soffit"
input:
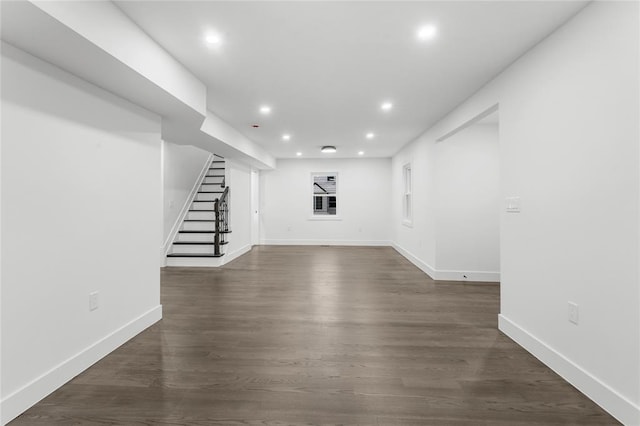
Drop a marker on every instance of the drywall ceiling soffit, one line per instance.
(179, 133)
(28, 27)
(216, 128)
(325, 67)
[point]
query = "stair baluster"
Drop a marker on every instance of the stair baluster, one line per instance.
(221, 222)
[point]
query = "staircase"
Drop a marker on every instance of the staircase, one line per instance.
(202, 236)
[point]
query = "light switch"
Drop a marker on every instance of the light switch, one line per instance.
(513, 204)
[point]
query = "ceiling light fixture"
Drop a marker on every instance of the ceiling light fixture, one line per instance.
(328, 149)
(265, 109)
(386, 106)
(360, 152)
(213, 39)
(298, 154)
(370, 136)
(427, 32)
(286, 137)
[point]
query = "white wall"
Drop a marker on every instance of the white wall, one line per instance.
(182, 166)
(569, 134)
(81, 212)
(363, 203)
(468, 205)
(1, 272)
(418, 242)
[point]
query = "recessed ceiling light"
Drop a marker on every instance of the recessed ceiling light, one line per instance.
(265, 109)
(298, 154)
(213, 39)
(360, 152)
(286, 137)
(328, 149)
(370, 135)
(427, 32)
(386, 106)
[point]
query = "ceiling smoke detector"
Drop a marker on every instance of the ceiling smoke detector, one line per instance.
(328, 149)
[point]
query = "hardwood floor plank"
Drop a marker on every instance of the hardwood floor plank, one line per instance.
(319, 336)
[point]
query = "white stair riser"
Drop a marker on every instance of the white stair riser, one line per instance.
(193, 249)
(212, 189)
(201, 215)
(196, 237)
(203, 206)
(214, 179)
(195, 261)
(207, 197)
(198, 226)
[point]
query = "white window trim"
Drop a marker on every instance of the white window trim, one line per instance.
(336, 216)
(407, 211)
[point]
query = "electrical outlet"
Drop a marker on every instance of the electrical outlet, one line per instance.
(573, 312)
(93, 301)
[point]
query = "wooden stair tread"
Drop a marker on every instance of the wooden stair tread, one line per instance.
(194, 255)
(200, 243)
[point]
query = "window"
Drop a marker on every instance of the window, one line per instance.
(325, 195)
(407, 218)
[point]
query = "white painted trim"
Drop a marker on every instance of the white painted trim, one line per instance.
(325, 243)
(327, 217)
(609, 399)
(442, 275)
(22, 399)
(183, 212)
(493, 108)
(407, 214)
(195, 262)
(228, 257)
(163, 257)
(426, 268)
(478, 276)
(312, 215)
(207, 262)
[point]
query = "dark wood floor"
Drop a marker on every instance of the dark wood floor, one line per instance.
(319, 335)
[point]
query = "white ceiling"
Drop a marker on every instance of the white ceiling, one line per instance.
(325, 67)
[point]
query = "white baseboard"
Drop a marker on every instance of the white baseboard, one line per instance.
(426, 268)
(376, 243)
(443, 275)
(228, 257)
(185, 209)
(617, 405)
(19, 401)
(476, 276)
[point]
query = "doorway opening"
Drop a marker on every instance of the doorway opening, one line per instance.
(468, 201)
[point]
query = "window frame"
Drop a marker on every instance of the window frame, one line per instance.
(407, 195)
(312, 214)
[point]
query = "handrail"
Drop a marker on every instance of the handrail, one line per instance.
(221, 209)
(225, 193)
(318, 185)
